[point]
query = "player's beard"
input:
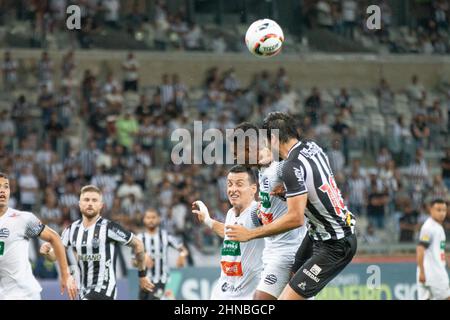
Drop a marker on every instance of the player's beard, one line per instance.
(90, 213)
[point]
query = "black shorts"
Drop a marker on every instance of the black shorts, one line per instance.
(319, 262)
(156, 294)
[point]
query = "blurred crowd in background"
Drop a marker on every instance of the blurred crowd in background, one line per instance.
(406, 26)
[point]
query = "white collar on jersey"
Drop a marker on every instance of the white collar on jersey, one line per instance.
(293, 147)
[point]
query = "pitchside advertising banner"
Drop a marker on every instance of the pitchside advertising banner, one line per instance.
(359, 281)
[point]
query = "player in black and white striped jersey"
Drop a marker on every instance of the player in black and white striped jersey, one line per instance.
(94, 241)
(311, 190)
(156, 243)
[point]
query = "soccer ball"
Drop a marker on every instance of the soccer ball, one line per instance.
(264, 38)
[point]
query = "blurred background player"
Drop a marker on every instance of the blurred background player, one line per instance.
(16, 230)
(156, 242)
(432, 277)
(241, 262)
(311, 190)
(94, 240)
(279, 250)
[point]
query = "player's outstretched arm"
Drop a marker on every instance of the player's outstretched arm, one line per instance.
(202, 212)
(139, 256)
(294, 218)
(57, 252)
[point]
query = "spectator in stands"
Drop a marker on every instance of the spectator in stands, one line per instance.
(438, 189)
(356, 192)
(28, 186)
(408, 223)
(336, 157)
(127, 129)
(384, 156)
(370, 237)
(349, 8)
(193, 37)
(68, 63)
(129, 187)
(50, 213)
(415, 89)
(9, 70)
(377, 200)
(313, 105)
(420, 131)
(7, 126)
(385, 97)
(45, 72)
(111, 10)
(130, 68)
(46, 103)
(343, 99)
(435, 119)
(110, 84)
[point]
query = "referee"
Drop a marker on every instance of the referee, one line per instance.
(311, 190)
(156, 244)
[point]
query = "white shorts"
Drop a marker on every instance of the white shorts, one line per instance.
(432, 292)
(274, 278)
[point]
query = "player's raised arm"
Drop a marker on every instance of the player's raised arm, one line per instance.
(202, 212)
(58, 253)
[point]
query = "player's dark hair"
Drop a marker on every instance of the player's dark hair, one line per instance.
(437, 201)
(152, 210)
(4, 176)
(240, 168)
(284, 123)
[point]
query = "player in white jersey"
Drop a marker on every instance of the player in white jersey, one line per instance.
(432, 277)
(16, 228)
(279, 251)
(241, 263)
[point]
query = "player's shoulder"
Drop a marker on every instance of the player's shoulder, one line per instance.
(14, 213)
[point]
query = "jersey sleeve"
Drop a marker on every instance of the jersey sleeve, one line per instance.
(293, 177)
(425, 236)
(174, 242)
(65, 237)
(33, 226)
(256, 215)
(118, 234)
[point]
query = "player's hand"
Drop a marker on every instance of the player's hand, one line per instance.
(422, 277)
(278, 191)
(68, 282)
(238, 233)
(264, 156)
(196, 210)
(202, 212)
(45, 249)
(146, 284)
(72, 289)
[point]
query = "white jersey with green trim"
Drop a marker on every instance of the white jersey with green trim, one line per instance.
(241, 263)
(16, 277)
(432, 236)
(282, 246)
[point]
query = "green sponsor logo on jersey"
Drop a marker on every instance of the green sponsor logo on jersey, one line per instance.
(442, 245)
(231, 248)
(2, 248)
(265, 199)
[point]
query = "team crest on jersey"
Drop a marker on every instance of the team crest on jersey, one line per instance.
(270, 279)
(4, 233)
(266, 217)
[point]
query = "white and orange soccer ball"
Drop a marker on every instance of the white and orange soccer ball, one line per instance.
(264, 38)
